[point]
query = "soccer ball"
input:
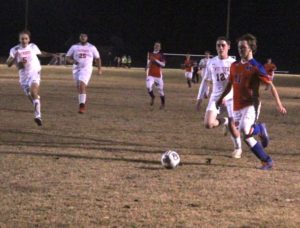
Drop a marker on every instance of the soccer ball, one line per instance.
(170, 159)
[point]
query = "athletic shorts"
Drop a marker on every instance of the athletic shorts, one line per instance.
(157, 82)
(82, 75)
(246, 117)
(188, 75)
(228, 103)
(26, 80)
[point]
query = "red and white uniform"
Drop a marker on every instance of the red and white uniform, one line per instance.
(83, 56)
(32, 67)
(245, 78)
(188, 65)
(154, 72)
(217, 71)
(270, 68)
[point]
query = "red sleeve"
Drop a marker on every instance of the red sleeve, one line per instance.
(230, 78)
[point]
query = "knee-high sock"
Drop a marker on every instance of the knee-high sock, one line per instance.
(237, 142)
(37, 108)
(82, 98)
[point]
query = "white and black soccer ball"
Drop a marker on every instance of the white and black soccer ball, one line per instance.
(170, 159)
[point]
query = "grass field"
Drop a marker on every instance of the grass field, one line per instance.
(103, 168)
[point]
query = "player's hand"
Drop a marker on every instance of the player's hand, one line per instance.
(282, 109)
(198, 105)
(218, 103)
(20, 65)
(99, 72)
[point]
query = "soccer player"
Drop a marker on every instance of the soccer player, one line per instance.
(25, 57)
(270, 69)
(188, 65)
(217, 73)
(245, 77)
(155, 62)
(202, 66)
(81, 55)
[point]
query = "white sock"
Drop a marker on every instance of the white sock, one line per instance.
(82, 98)
(237, 142)
(37, 108)
(226, 121)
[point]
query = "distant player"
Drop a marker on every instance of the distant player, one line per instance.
(217, 73)
(270, 69)
(81, 55)
(245, 77)
(155, 63)
(25, 57)
(195, 78)
(188, 66)
(202, 66)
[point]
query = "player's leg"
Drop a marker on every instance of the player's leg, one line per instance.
(34, 93)
(149, 85)
(247, 121)
(211, 120)
(82, 83)
(160, 86)
(234, 132)
(188, 79)
(81, 87)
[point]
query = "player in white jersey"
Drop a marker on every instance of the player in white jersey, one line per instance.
(24, 56)
(202, 67)
(81, 55)
(217, 72)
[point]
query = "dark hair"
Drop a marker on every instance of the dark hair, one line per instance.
(27, 32)
(251, 40)
(224, 38)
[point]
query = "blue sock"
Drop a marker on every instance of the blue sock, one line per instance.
(256, 129)
(258, 150)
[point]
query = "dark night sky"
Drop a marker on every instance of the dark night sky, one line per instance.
(132, 26)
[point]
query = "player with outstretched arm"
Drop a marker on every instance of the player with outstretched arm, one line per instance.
(155, 62)
(245, 77)
(217, 73)
(81, 55)
(25, 57)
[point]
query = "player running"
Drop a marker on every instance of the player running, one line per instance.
(188, 66)
(81, 55)
(217, 73)
(270, 69)
(155, 62)
(25, 57)
(245, 77)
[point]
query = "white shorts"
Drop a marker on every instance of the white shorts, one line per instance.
(28, 79)
(157, 82)
(228, 103)
(82, 75)
(245, 118)
(188, 75)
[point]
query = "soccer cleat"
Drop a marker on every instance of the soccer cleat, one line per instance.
(237, 153)
(82, 108)
(38, 121)
(264, 137)
(162, 106)
(267, 165)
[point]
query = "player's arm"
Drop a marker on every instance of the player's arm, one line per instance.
(161, 63)
(10, 61)
(226, 91)
(275, 94)
(70, 60)
(47, 54)
(99, 65)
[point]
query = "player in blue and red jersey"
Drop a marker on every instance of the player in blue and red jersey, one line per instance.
(245, 77)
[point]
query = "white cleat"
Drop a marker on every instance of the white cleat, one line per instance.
(237, 153)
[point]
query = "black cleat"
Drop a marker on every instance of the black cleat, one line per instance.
(38, 121)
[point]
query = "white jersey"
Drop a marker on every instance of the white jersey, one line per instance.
(27, 55)
(83, 55)
(218, 71)
(203, 62)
